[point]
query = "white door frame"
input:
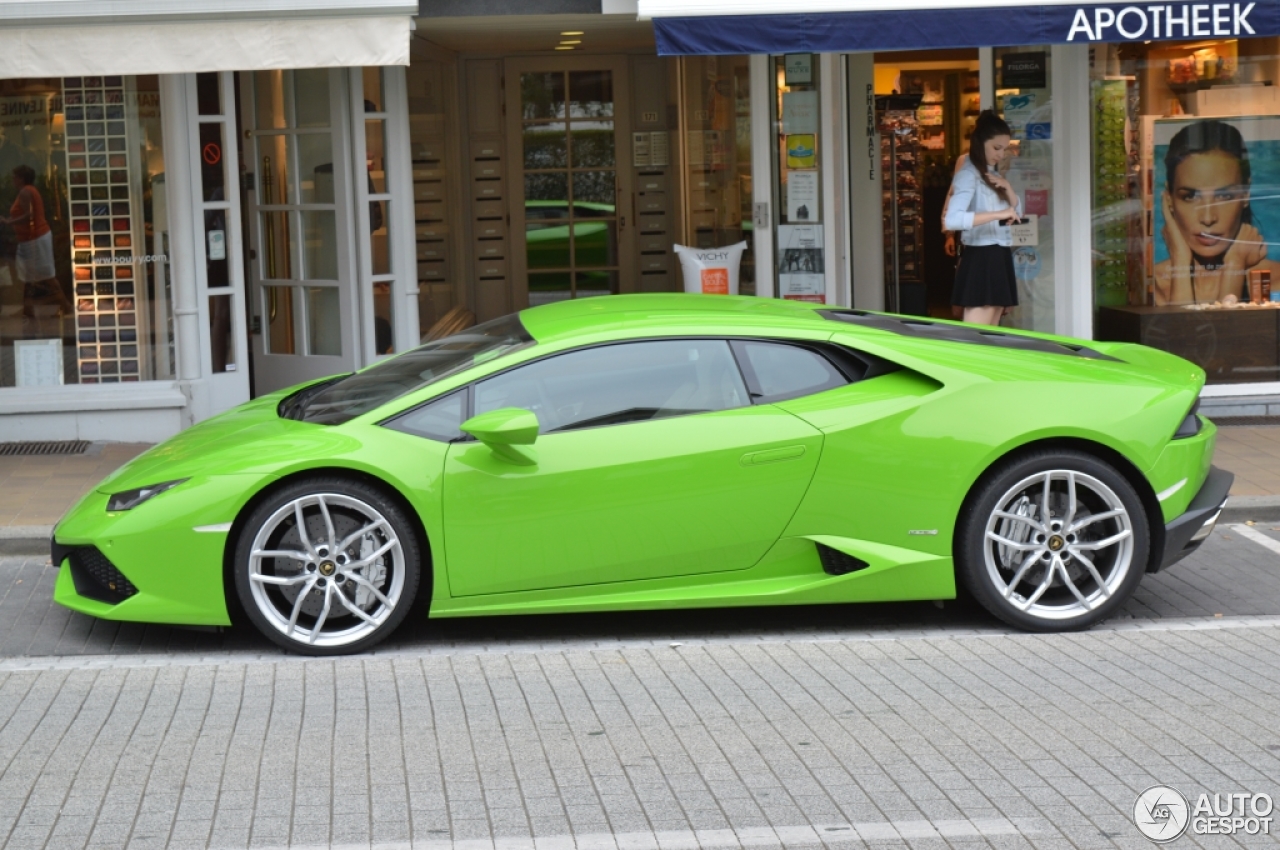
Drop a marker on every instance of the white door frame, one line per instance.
(1072, 208)
(764, 156)
(223, 390)
(397, 203)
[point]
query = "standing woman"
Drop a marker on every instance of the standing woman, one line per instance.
(34, 258)
(981, 206)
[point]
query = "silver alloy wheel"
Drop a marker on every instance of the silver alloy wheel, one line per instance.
(1058, 545)
(326, 569)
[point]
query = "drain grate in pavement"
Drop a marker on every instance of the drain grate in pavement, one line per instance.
(50, 447)
(1244, 421)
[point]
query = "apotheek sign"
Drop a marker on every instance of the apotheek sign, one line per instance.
(1168, 20)
(914, 25)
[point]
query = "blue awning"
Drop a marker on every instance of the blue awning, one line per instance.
(918, 26)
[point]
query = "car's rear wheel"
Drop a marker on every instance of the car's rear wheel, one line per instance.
(327, 566)
(1053, 541)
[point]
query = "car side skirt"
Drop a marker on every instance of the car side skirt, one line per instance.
(790, 574)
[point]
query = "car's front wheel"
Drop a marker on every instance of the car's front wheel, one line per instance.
(327, 566)
(1053, 541)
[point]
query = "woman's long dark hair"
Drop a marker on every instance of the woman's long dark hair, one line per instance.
(1206, 137)
(988, 126)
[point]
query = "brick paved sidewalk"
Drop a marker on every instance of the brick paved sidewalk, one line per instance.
(1253, 454)
(37, 491)
(950, 743)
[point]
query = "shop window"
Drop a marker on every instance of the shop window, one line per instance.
(801, 255)
(1186, 167)
(85, 282)
(1024, 99)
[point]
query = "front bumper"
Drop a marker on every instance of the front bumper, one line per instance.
(1184, 534)
(161, 562)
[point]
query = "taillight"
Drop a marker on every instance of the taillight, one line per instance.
(1191, 425)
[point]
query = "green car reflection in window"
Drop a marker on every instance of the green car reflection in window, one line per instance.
(560, 241)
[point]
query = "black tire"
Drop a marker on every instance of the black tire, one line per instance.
(1035, 586)
(289, 599)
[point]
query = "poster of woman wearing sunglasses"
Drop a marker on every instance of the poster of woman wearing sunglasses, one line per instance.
(1217, 203)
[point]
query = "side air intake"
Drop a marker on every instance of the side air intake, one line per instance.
(837, 563)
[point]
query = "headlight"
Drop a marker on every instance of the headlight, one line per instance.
(130, 499)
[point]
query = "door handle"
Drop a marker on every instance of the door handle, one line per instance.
(772, 455)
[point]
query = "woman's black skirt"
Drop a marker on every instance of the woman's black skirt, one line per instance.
(985, 278)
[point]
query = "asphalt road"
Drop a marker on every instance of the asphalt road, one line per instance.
(832, 726)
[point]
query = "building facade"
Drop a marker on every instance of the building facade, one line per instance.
(258, 194)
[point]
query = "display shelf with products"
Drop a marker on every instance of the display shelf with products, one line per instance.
(1117, 278)
(900, 173)
(106, 230)
(934, 92)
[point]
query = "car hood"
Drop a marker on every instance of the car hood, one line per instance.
(247, 439)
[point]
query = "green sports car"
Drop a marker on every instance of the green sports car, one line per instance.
(664, 451)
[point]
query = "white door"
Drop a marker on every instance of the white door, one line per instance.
(299, 208)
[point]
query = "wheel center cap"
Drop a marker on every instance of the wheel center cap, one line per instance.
(1055, 543)
(327, 568)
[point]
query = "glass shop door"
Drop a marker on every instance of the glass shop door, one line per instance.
(571, 202)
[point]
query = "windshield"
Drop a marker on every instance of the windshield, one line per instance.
(345, 398)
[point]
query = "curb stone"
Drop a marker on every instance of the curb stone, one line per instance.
(25, 539)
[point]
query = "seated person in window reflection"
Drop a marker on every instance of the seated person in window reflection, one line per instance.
(34, 255)
(1208, 225)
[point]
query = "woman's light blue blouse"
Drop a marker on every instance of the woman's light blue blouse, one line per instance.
(963, 205)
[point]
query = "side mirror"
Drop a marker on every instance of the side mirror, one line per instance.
(504, 431)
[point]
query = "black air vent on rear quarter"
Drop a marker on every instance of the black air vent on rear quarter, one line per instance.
(924, 329)
(837, 563)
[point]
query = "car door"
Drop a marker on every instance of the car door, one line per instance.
(651, 462)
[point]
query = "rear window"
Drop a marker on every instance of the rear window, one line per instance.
(346, 398)
(784, 371)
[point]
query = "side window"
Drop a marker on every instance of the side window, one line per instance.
(436, 420)
(614, 384)
(779, 371)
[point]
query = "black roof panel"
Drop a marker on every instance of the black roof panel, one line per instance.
(925, 329)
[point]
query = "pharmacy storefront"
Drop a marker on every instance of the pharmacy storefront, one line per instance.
(1147, 142)
(123, 284)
